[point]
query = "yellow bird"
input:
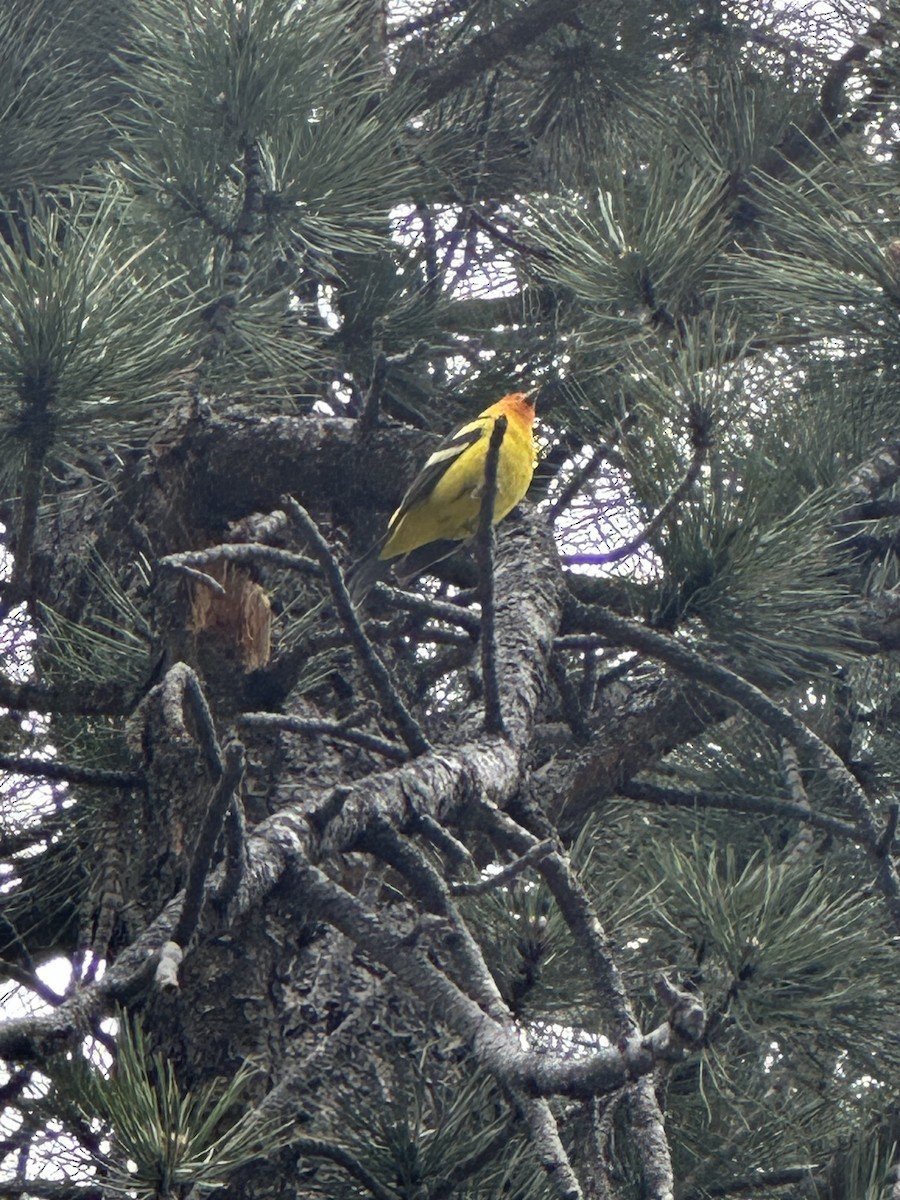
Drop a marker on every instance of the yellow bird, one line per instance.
(443, 502)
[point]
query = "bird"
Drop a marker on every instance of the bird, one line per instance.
(442, 504)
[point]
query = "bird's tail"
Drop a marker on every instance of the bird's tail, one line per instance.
(420, 560)
(371, 569)
(367, 570)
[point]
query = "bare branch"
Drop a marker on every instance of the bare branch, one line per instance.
(201, 860)
(332, 729)
(512, 871)
(653, 526)
(493, 717)
(677, 798)
(180, 685)
(393, 705)
(69, 773)
(247, 552)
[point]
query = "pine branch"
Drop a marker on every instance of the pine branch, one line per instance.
(548, 1146)
(443, 841)
(730, 685)
(219, 316)
(494, 1046)
(588, 934)
(31, 981)
(78, 698)
(803, 842)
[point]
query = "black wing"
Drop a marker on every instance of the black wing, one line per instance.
(449, 449)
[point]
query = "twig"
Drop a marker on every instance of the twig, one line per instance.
(438, 14)
(198, 576)
(438, 610)
(676, 798)
(571, 703)
(319, 1148)
(653, 526)
(201, 860)
(69, 773)
(526, 249)
(181, 684)
(756, 1182)
(30, 980)
(803, 843)
(372, 405)
(247, 552)
(890, 830)
(487, 49)
(235, 854)
(730, 685)
(584, 473)
(500, 878)
(409, 729)
(493, 717)
(444, 841)
(333, 729)
(421, 347)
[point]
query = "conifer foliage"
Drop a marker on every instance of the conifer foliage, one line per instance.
(568, 871)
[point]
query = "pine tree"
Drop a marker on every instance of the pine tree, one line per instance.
(572, 870)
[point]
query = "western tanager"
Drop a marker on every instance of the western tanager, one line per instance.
(442, 505)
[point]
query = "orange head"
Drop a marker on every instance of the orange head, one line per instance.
(517, 407)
